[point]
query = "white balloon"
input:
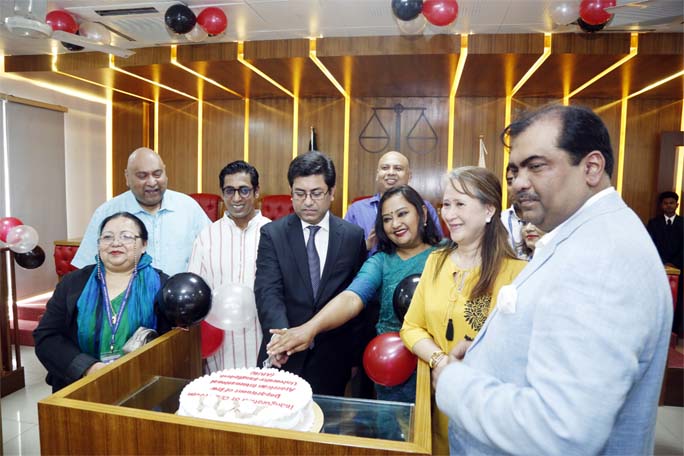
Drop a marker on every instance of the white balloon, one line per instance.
(565, 13)
(412, 27)
(197, 34)
(96, 32)
(232, 307)
(22, 239)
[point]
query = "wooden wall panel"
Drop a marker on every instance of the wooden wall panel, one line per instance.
(477, 116)
(178, 144)
(646, 119)
(129, 133)
(326, 115)
(428, 163)
(270, 142)
(222, 139)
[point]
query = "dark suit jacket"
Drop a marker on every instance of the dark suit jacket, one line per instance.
(668, 240)
(284, 296)
(56, 336)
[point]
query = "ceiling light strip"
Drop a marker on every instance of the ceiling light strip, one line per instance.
(656, 84)
(509, 107)
(633, 51)
(295, 126)
(54, 69)
(5, 160)
(241, 59)
(200, 115)
(174, 61)
(462, 57)
(113, 66)
(109, 146)
(347, 121)
(156, 127)
(246, 132)
(621, 145)
(679, 164)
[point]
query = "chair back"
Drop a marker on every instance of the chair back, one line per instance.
(276, 206)
(210, 203)
(63, 256)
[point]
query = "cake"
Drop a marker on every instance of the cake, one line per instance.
(260, 397)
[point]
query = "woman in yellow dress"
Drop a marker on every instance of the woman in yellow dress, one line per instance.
(461, 280)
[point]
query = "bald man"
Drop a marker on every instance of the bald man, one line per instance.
(393, 170)
(173, 219)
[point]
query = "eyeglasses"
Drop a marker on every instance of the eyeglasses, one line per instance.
(125, 237)
(316, 195)
(244, 191)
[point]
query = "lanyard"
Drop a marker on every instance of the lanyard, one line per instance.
(114, 320)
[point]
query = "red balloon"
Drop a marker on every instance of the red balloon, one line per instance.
(213, 20)
(440, 12)
(593, 11)
(212, 338)
(6, 224)
(61, 20)
(387, 361)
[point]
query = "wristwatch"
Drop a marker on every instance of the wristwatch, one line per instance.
(436, 358)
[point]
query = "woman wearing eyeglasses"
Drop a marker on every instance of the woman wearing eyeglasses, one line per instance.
(461, 280)
(95, 310)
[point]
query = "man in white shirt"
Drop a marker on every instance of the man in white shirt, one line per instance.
(172, 219)
(225, 252)
(511, 220)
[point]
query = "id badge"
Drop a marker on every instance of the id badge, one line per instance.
(110, 357)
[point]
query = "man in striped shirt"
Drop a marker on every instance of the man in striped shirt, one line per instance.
(225, 252)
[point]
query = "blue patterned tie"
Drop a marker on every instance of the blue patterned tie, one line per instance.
(314, 261)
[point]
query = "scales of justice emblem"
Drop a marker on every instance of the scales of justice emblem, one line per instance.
(421, 138)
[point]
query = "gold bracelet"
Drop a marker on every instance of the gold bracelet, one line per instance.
(436, 358)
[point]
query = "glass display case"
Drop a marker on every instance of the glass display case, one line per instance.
(129, 407)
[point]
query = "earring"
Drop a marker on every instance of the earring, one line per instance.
(489, 219)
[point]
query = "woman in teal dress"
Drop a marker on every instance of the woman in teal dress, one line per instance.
(406, 236)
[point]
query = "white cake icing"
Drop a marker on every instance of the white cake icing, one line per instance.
(260, 397)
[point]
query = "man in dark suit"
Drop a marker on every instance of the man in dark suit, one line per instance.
(303, 261)
(667, 232)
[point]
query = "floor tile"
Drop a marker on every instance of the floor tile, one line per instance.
(11, 429)
(672, 418)
(667, 444)
(27, 443)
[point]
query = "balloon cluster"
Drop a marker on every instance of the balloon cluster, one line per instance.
(23, 241)
(64, 21)
(180, 20)
(413, 15)
(590, 15)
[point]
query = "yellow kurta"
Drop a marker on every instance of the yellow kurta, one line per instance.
(446, 296)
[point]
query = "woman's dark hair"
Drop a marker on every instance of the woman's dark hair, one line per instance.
(426, 227)
(129, 216)
(484, 186)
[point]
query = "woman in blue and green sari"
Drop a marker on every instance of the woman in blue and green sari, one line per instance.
(95, 310)
(406, 237)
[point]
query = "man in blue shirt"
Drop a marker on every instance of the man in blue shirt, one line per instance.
(393, 170)
(173, 220)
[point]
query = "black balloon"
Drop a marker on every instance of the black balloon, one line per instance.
(403, 295)
(31, 260)
(72, 47)
(180, 18)
(407, 9)
(185, 299)
(589, 28)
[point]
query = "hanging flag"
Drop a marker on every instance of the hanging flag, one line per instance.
(313, 144)
(483, 151)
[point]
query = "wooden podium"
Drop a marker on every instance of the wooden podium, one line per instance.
(84, 417)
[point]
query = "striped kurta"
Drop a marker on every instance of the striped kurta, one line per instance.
(224, 253)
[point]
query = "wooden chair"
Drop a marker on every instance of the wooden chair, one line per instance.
(210, 203)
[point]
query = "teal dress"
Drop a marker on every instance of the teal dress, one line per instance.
(379, 276)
